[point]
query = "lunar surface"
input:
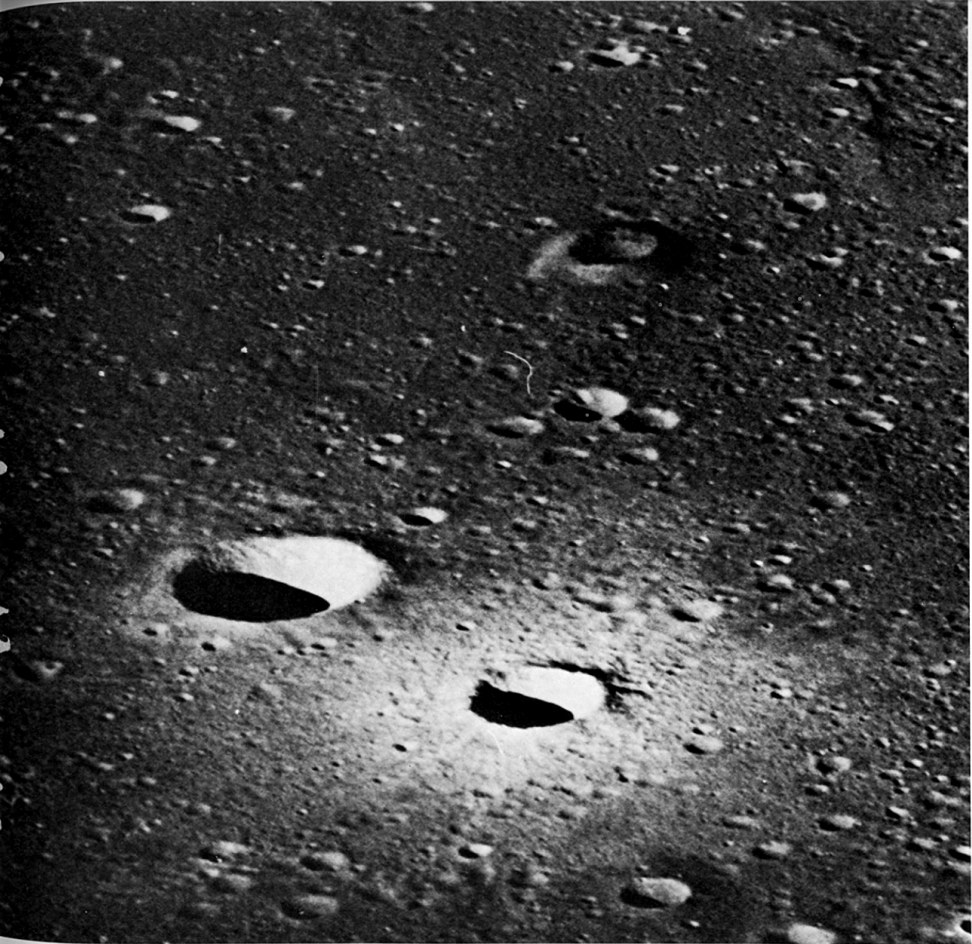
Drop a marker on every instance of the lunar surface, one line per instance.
(485, 472)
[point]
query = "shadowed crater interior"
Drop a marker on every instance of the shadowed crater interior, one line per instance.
(514, 710)
(240, 596)
(576, 412)
(616, 242)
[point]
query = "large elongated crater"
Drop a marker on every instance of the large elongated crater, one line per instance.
(265, 579)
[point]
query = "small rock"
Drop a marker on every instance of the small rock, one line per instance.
(822, 261)
(118, 500)
(806, 202)
(223, 850)
(304, 907)
(870, 419)
(698, 611)
(517, 427)
(777, 583)
(216, 644)
(944, 254)
(656, 892)
(279, 114)
(617, 604)
(225, 443)
(740, 822)
(147, 213)
(158, 378)
(834, 765)
(266, 692)
(78, 118)
(646, 26)
(566, 452)
(182, 123)
(531, 876)
(599, 402)
(748, 247)
(809, 934)
(108, 64)
(848, 381)
(643, 456)
(475, 850)
(549, 581)
(837, 822)
(424, 517)
(773, 849)
(232, 884)
(703, 744)
(332, 861)
(619, 55)
(832, 500)
(654, 418)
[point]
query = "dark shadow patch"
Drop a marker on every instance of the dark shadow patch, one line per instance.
(244, 597)
(513, 710)
(415, 521)
(576, 412)
(409, 563)
(634, 242)
(138, 219)
(634, 900)
(613, 245)
(631, 422)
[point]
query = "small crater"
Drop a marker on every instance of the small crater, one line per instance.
(245, 597)
(538, 697)
(513, 710)
(621, 242)
(266, 579)
(614, 246)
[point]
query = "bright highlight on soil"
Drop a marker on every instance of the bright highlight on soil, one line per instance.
(265, 579)
(538, 697)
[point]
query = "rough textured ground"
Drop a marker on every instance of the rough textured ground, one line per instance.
(332, 269)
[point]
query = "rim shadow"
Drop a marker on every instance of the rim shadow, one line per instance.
(242, 597)
(513, 710)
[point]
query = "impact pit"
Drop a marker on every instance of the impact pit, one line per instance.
(261, 580)
(538, 697)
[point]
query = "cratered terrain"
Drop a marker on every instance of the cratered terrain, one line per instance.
(485, 472)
